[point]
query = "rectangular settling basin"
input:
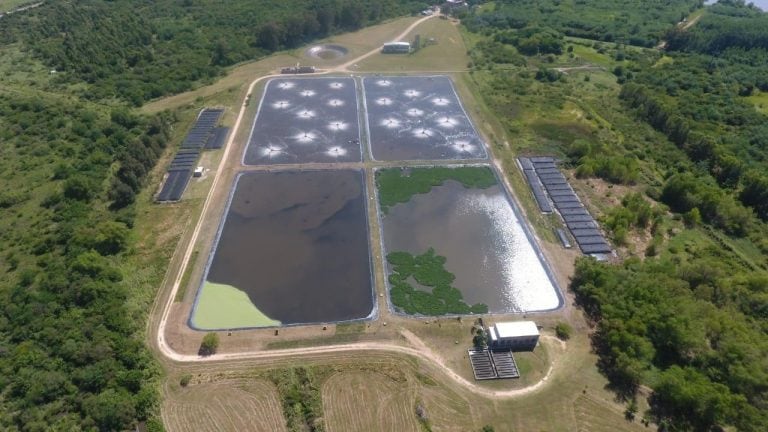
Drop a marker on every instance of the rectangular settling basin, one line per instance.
(454, 244)
(293, 249)
(304, 120)
(418, 118)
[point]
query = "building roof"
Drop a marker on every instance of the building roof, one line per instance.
(400, 44)
(513, 329)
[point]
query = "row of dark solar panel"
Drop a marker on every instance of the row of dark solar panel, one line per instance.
(184, 158)
(581, 224)
(184, 161)
(538, 192)
(563, 238)
(199, 135)
(182, 166)
(543, 159)
(186, 154)
(180, 170)
(541, 200)
(174, 185)
(595, 248)
(218, 136)
(542, 170)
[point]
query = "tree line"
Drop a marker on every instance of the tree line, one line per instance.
(71, 358)
(139, 51)
(625, 21)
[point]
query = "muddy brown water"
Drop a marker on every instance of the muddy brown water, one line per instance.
(485, 246)
(297, 243)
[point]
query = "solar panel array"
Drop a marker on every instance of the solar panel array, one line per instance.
(493, 364)
(536, 187)
(198, 136)
(217, 138)
(543, 171)
(182, 165)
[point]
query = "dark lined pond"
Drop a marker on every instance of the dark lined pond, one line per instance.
(418, 118)
(294, 242)
(304, 120)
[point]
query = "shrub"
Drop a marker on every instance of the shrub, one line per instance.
(185, 379)
(563, 331)
(209, 345)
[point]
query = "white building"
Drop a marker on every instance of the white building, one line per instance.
(396, 47)
(517, 335)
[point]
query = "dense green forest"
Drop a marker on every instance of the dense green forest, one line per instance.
(632, 22)
(685, 131)
(69, 356)
(140, 50)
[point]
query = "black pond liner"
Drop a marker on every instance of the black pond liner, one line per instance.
(306, 120)
(332, 277)
(418, 118)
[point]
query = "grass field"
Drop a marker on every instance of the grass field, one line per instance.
(381, 391)
(357, 401)
(357, 43)
(240, 405)
(591, 416)
(447, 54)
(760, 101)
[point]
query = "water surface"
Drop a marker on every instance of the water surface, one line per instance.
(296, 242)
(418, 118)
(486, 248)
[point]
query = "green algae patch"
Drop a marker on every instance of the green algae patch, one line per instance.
(398, 185)
(221, 306)
(428, 270)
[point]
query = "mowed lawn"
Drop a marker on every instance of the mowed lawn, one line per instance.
(357, 401)
(239, 405)
(386, 391)
(447, 53)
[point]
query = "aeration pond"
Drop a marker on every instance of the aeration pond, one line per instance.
(418, 118)
(303, 120)
(454, 244)
(293, 249)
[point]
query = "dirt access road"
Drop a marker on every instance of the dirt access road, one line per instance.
(417, 347)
